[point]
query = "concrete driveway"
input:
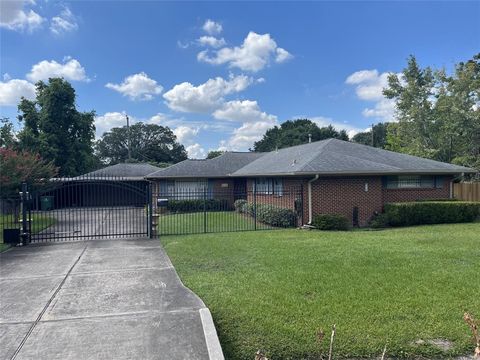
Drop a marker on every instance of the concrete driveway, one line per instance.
(112, 299)
(94, 223)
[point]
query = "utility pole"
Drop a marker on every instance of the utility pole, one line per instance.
(128, 139)
(309, 138)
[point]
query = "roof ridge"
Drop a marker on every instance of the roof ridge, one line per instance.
(316, 154)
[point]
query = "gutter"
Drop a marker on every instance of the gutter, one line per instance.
(310, 197)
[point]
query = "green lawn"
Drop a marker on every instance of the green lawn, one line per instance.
(274, 290)
(212, 221)
(39, 223)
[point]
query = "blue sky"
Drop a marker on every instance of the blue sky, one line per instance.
(221, 73)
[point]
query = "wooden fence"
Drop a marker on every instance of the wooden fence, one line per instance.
(468, 191)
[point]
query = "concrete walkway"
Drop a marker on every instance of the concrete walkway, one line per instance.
(112, 299)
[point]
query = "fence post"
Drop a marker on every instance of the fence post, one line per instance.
(255, 205)
(149, 210)
(204, 210)
(24, 199)
(301, 205)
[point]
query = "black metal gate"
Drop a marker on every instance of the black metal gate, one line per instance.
(87, 208)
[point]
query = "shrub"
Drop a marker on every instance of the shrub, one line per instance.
(275, 216)
(433, 212)
(330, 222)
(379, 221)
(196, 205)
(240, 206)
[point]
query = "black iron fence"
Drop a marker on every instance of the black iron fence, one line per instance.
(191, 211)
(88, 208)
(79, 208)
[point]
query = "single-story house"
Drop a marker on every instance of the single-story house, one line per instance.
(332, 176)
(117, 185)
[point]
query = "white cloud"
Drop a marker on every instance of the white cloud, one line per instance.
(63, 22)
(13, 16)
(369, 85)
(322, 121)
(137, 87)
(185, 134)
(110, 120)
(254, 123)
(71, 69)
(12, 90)
(211, 41)
(254, 54)
(282, 55)
(196, 151)
(243, 111)
(211, 27)
(206, 97)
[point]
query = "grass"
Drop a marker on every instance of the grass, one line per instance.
(273, 290)
(39, 223)
(199, 222)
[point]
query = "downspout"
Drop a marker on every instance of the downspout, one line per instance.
(310, 217)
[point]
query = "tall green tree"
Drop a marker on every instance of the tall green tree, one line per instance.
(376, 137)
(53, 127)
(148, 143)
(7, 134)
(417, 130)
(214, 153)
(296, 132)
(438, 114)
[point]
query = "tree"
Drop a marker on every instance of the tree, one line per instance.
(438, 114)
(148, 143)
(7, 135)
(412, 92)
(214, 153)
(23, 166)
(55, 129)
(378, 139)
(296, 132)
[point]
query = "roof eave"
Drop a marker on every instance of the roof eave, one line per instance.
(342, 173)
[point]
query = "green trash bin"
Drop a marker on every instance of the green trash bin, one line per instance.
(46, 203)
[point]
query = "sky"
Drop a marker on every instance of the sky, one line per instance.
(219, 74)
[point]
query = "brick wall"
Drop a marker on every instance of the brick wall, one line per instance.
(341, 195)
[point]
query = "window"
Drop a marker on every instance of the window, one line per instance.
(269, 186)
(413, 182)
(190, 190)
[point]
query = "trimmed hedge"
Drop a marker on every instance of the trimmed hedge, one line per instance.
(433, 212)
(275, 216)
(330, 222)
(268, 214)
(196, 205)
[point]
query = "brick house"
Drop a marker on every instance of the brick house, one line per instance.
(325, 177)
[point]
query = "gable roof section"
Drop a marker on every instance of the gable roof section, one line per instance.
(221, 166)
(338, 157)
(126, 171)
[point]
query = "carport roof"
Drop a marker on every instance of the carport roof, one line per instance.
(125, 171)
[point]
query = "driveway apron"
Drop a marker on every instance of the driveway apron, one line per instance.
(110, 299)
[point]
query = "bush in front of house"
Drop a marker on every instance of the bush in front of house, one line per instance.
(431, 212)
(276, 216)
(330, 222)
(196, 205)
(240, 205)
(268, 214)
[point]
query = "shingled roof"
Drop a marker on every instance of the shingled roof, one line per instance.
(338, 157)
(221, 166)
(126, 171)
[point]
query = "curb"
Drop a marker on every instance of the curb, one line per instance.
(213, 344)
